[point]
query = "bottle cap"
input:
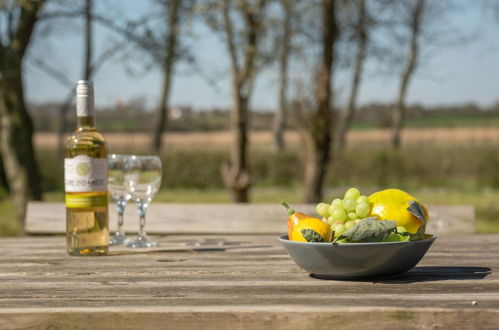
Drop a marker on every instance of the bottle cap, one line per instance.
(84, 88)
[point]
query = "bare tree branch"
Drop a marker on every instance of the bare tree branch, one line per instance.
(52, 72)
(361, 34)
(229, 36)
(28, 16)
(398, 115)
(10, 22)
(280, 117)
(53, 15)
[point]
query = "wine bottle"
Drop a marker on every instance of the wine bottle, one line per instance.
(85, 180)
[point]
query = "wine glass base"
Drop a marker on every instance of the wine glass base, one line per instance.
(142, 242)
(118, 239)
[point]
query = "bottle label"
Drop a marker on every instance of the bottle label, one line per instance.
(85, 174)
(77, 201)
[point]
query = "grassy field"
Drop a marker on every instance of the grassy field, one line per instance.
(435, 120)
(263, 139)
(485, 201)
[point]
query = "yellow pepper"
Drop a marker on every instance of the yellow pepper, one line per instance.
(293, 218)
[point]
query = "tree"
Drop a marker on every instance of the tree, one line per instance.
(241, 25)
(90, 64)
(173, 10)
(87, 74)
(398, 115)
(316, 126)
(235, 173)
(361, 35)
(280, 117)
(16, 134)
(162, 45)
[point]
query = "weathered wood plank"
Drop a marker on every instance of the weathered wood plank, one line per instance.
(49, 218)
(237, 317)
(242, 269)
(240, 281)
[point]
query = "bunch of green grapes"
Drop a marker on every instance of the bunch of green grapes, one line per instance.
(343, 214)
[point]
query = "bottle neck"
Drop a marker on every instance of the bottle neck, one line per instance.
(86, 122)
(85, 118)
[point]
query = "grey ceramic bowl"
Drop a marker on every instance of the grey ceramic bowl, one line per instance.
(357, 260)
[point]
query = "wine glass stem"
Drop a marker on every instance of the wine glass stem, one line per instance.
(142, 207)
(120, 207)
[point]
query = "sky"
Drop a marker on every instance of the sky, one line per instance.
(466, 72)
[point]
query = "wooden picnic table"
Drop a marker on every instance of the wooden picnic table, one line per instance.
(221, 266)
(234, 281)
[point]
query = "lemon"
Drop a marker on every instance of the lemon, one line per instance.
(311, 230)
(392, 204)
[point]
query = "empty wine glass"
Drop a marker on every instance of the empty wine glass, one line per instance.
(143, 178)
(119, 193)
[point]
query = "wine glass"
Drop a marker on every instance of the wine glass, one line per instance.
(143, 178)
(119, 193)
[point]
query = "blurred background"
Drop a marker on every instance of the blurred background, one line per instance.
(258, 100)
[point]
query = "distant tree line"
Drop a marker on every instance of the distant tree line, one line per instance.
(134, 117)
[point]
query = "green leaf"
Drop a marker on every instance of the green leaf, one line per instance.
(404, 238)
(311, 235)
(343, 240)
(417, 210)
(369, 230)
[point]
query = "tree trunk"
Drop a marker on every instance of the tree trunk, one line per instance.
(168, 66)
(87, 67)
(349, 113)
(398, 115)
(18, 154)
(236, 174)
(317, 149)
(319, 136)
(16, 131)
(280, 118)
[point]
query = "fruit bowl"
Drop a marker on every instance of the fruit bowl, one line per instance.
(357, 260)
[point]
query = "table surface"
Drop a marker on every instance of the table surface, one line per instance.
(240, 281)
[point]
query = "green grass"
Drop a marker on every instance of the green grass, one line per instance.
(8, 224)
(436, 120)
(258, 195)
(485, 201)
(412, 167)
(430, 121)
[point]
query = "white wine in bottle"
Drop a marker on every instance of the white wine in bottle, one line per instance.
(85, 180)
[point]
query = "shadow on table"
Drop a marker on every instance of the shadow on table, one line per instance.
(439, 273)
(430, 274)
